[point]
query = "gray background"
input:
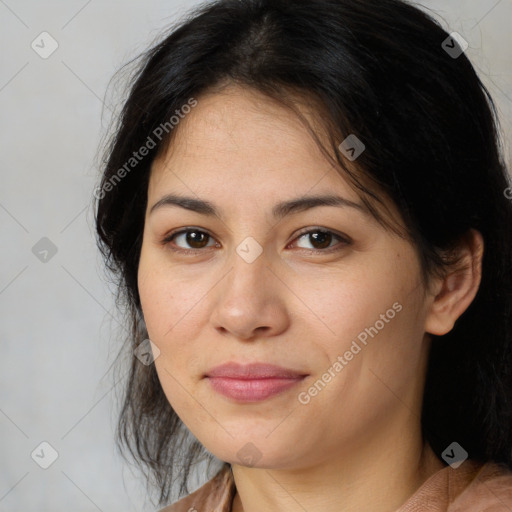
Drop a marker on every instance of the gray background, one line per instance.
(59, 325)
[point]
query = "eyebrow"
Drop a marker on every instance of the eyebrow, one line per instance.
(279, 211)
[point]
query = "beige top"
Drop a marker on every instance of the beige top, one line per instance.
(472, 487)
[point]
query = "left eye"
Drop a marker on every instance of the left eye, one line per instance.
(321, 239)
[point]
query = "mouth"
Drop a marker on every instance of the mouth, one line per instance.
(253, 382)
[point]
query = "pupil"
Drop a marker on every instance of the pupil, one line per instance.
(324, 239)
(192, 239)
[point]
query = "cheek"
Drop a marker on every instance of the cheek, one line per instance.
(168, 309)
(373, 323)
(168, 301)
(155, 299)
(350, 304)
(173, 308)
(375, 353)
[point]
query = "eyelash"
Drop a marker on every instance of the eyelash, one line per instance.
(343, 238)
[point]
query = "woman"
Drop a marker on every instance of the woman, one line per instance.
(305, 206)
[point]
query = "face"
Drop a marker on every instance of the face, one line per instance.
(320, 290)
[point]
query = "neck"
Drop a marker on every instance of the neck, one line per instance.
(367, 477)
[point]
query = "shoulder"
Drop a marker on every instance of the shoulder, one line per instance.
(489, 491)
(215, 495)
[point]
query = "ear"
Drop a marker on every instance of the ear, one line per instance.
(455, 292)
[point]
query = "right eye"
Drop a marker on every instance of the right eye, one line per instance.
(195, 238)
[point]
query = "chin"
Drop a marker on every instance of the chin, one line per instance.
(255, 454)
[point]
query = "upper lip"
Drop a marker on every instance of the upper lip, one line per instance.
(253, 371)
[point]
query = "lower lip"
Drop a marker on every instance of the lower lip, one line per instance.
(252, 390)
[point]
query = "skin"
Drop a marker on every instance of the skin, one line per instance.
(356, 445)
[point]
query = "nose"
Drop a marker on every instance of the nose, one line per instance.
(250, 302)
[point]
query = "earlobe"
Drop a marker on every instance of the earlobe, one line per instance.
(458, 288)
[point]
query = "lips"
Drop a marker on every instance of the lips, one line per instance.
(253, 371)
(253, 382)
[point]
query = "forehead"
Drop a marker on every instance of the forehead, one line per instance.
(241, 139)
